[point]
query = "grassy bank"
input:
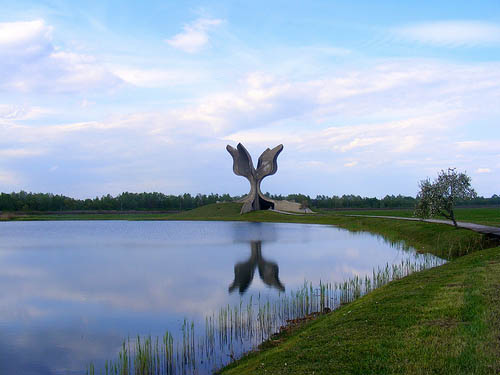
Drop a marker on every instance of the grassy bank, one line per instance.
(444, 321)
(230, 211)
(486, 216)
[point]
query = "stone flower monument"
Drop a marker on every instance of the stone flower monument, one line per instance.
(266, 166)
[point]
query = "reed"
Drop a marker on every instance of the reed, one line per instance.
(234, 330)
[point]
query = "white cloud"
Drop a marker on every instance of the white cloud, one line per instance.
(351, 164)
(483, 170)
(20, 152)
(387, 92)
(26, 39)
(30, 62)
(85, 103)
(359, 142)
(326, 50)
(371, 143)
(8, 180)
(486, 146)
(195, 35)
(155, 77)
(382, 117)
(11, 112)
(452, 33)
(8, 112)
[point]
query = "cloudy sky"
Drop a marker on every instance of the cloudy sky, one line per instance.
(367, 98)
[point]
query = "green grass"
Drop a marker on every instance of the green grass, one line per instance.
(442, 240)
(441, 321)
(230, 211)
(220, 211)
(486, 216)
(56, 217)
(216, 211)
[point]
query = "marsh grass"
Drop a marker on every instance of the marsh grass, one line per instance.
(232, 331)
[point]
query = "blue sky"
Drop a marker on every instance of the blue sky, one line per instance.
(368, 97)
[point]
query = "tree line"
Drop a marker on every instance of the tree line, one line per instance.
(24, 201)
(389, 201)
(350, 201)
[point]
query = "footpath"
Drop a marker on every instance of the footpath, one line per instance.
(483, 229)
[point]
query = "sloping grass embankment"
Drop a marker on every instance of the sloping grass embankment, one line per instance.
(445, 320)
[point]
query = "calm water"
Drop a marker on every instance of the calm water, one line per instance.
(72, 291)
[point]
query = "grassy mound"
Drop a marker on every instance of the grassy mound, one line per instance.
(215, 211)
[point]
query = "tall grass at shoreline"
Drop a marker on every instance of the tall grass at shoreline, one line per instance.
(234, 330)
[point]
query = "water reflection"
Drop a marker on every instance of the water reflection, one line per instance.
(72, 290)
(244, 271)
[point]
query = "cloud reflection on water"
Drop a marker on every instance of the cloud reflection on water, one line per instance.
(91, 284)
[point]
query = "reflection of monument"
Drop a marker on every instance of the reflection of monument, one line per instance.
(243, 166)
(243, 271)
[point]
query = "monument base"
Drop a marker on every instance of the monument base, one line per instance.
(291, 207)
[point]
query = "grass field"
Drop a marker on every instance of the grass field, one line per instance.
(45, 217)
(486, 216)
(230, 211)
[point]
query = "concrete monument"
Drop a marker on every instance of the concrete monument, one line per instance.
(266, 166)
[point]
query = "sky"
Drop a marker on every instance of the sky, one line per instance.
(367, 97)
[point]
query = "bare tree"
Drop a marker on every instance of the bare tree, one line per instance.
(439, 197)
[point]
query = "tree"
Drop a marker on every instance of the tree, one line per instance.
(439, 197)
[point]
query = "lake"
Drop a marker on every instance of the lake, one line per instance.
(72, 291)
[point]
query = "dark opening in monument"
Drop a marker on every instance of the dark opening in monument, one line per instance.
(265, 204)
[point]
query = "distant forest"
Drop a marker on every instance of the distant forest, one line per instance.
(389, 201)
(23, 201)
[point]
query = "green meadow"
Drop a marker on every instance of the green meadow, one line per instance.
(485, 216)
